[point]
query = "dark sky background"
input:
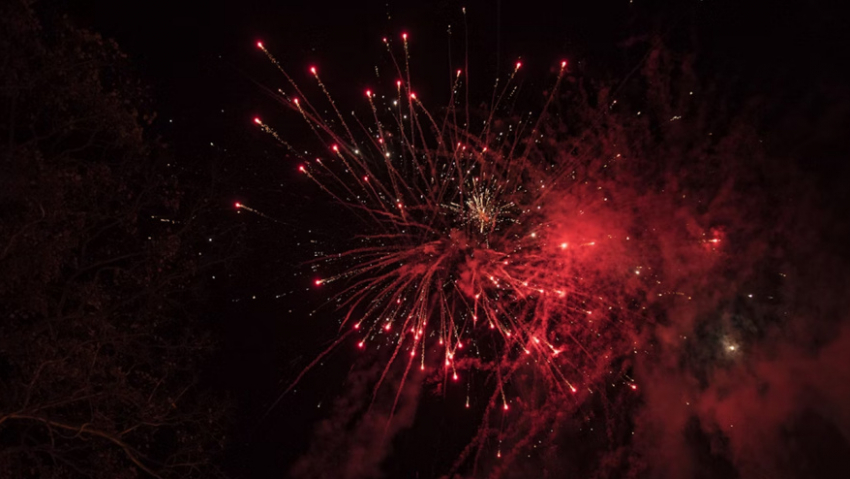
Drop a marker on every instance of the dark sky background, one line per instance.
(209, 80)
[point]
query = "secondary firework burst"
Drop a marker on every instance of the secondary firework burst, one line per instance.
(469, 255)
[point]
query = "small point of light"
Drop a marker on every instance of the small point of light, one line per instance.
(454, 376)
(564, 245)
(369, 93)
(398, 83)
(360, 344)
(633, 386)
(413, 95)
(518, 64)
(564, 64)
(258, 121)
(404, 36)
(259, 44)
(458, 73)
(237, 204)
(301, 169)
(573, 389)
(357, 326)
(313, 70)
(318, 282)
(506, 406)
(335, 148)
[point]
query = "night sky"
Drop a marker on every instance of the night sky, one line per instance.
(789, 387)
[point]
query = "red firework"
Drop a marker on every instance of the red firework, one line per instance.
(486, 249)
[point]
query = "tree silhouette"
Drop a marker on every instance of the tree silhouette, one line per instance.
(99, 262)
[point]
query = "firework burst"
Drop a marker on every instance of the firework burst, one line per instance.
(492, 249)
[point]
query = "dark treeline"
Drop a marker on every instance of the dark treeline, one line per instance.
(102, 250)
